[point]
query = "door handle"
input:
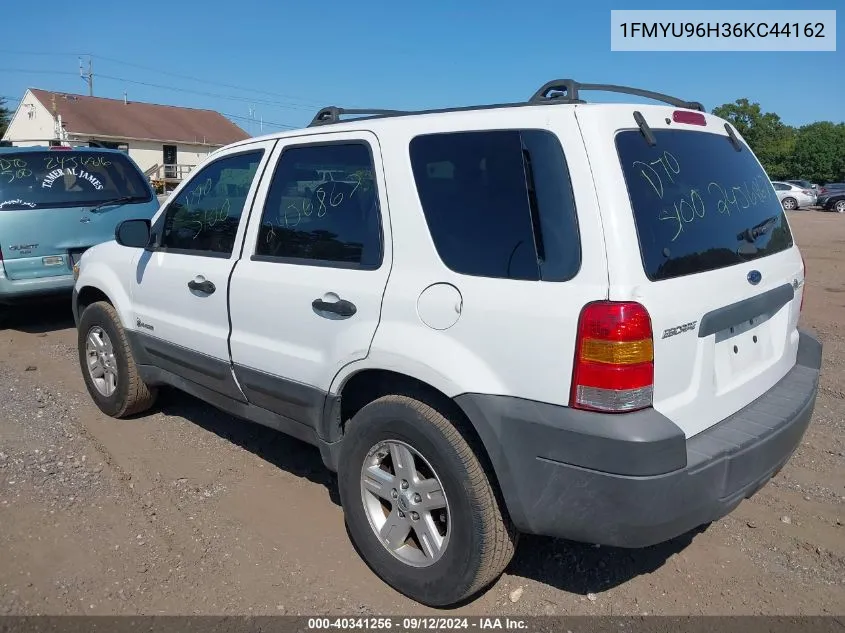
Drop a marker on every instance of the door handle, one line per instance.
(200, 284)
(341, 307)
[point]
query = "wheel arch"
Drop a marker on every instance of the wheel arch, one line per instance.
(85, 296)
(361, 387)
(100, 283)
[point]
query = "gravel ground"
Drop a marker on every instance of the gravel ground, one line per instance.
(188, 511)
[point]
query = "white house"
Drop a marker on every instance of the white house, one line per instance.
(165, 141)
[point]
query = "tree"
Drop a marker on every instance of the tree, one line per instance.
(819, 154)
(769, 138)
(5, 117)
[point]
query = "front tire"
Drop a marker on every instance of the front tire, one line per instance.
(839, 206)
(107, 364)
(418, 503)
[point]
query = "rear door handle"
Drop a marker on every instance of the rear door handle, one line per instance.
(201, 284)
(341, 307)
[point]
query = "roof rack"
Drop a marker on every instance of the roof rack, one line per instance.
(568, 91)
(332, 114)
(553, 92)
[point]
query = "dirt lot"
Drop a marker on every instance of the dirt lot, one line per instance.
(187, 510)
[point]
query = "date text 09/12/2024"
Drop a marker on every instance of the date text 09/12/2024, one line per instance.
(416, 623)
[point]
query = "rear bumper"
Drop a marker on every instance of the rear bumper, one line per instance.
(634, 480)
(18, 290)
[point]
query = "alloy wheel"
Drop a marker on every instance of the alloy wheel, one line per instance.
(405, 503)
(102, 366)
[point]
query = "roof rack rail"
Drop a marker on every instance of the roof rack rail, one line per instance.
(332, 114)
(568, 91)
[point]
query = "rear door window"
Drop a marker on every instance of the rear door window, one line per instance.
(62, 178)
(698, 203)
(323, 208)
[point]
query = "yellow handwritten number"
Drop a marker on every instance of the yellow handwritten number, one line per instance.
(298, 216)
(667, 215)
(321, 198)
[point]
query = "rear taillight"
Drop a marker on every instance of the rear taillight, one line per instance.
(614, 358)
(807, 192)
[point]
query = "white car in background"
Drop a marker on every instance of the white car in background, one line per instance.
(793, 197)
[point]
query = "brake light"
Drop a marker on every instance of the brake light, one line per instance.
(614, 358)
(685, 116)
(60, 147)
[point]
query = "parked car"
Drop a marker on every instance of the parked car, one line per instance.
(804, 184)
(835, 202)
(793, 197)
(828, 190)
(484, 334)
(54, 204)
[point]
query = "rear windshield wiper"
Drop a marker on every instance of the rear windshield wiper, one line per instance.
(751, 234)
(114, 201)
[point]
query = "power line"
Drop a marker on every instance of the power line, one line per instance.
(30, 71)
(207, 94)
(296, 102)
(304, 102)
(44, 53)
(269, 123)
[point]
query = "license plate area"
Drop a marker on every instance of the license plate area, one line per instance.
(743, 351)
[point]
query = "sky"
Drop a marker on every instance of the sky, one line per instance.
(272, 66)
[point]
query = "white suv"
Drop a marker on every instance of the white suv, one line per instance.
(550, 317)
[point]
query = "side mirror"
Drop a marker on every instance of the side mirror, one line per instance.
(133, 233)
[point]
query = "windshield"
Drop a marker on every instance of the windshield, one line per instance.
(696, 201)
(49, 179)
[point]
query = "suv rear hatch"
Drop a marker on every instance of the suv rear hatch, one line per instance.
(54, 204)
(696, 234)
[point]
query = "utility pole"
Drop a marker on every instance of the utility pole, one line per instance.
(89, 76)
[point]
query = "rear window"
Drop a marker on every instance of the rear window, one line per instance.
(43, 179)
(698, 203)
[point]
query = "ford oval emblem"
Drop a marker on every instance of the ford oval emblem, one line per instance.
(754, 277)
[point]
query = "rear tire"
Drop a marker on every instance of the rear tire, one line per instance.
(103, 345)
(475, 539)
(839, 206)
(789, 204)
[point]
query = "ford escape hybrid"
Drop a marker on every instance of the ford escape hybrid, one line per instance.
(550, 317)
(55, 203)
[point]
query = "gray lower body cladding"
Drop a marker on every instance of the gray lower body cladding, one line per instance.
(630, 480)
